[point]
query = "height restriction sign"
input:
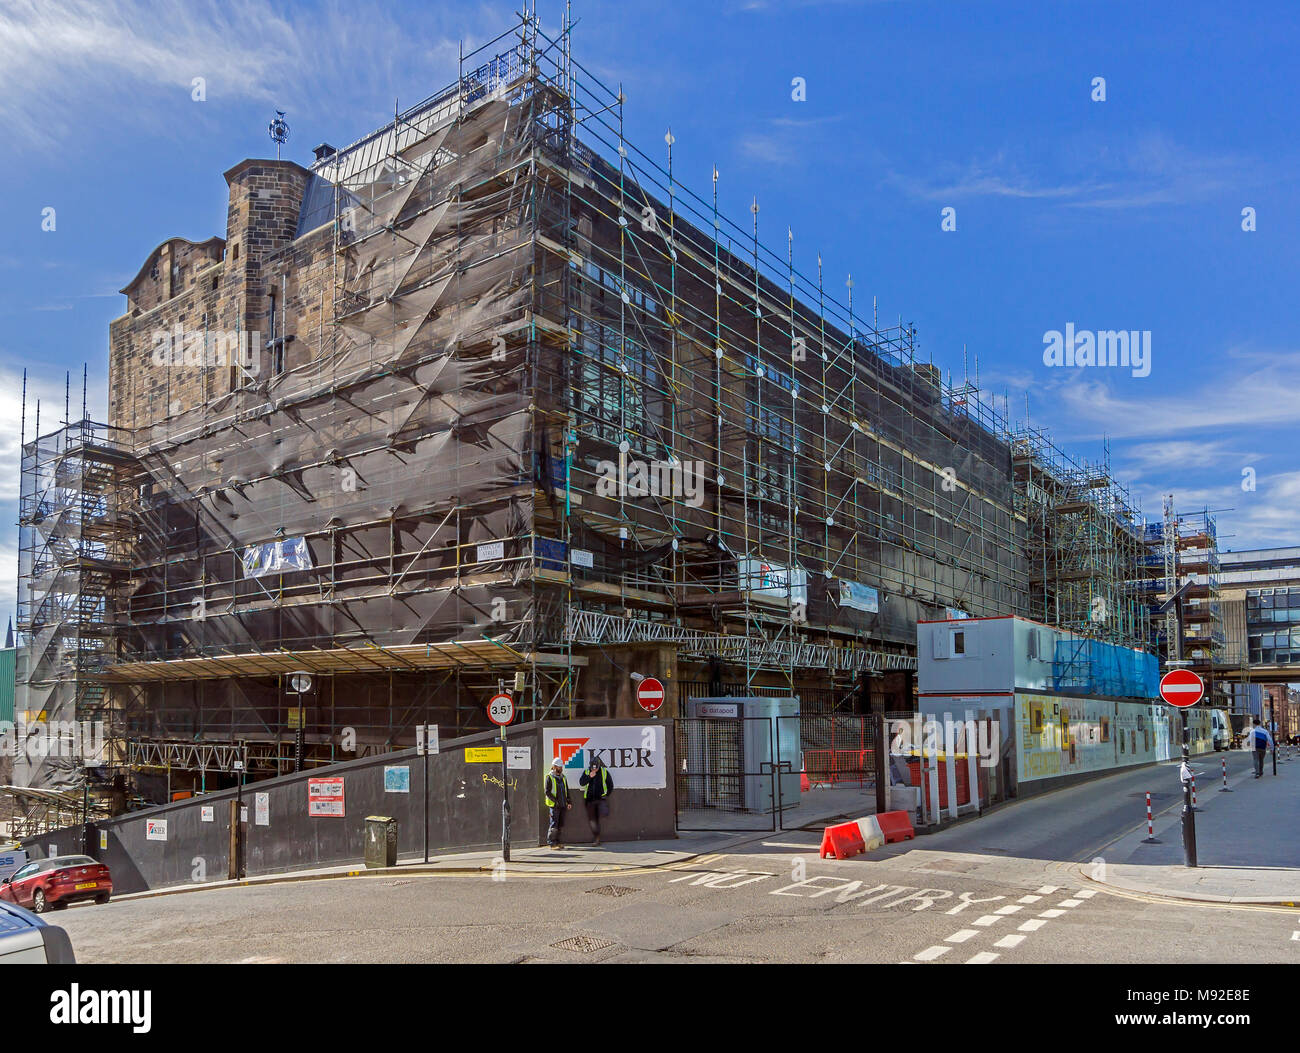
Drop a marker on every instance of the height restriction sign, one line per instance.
(1181, 688)
(501, 710)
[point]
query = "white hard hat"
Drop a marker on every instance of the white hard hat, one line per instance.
(557, 763)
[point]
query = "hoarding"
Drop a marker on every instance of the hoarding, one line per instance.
(1058, 735)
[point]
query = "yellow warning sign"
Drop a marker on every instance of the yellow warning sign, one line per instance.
(482, 754)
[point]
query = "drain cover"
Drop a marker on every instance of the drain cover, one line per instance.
(613, 890)
(583, 944)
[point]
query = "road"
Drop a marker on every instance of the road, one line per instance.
(1012, 887)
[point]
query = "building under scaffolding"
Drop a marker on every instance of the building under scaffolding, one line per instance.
(1085, 543)
(1182, 555)
(488, 393)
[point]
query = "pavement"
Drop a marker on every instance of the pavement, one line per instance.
(817, 806)
(1248, 841)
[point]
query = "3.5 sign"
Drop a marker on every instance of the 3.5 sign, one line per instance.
(501, 710)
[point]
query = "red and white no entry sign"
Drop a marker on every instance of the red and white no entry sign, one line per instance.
(650, 694)
(501, 710)
(1181, 688)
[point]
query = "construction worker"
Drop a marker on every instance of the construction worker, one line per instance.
(556, 791)
(596, 785)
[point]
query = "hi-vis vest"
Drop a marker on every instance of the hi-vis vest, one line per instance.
(555, 789)
(590, 791)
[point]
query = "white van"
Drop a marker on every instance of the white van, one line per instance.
(1220, 729)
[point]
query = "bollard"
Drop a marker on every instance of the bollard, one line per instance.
(1151, 838)
(1225, 778)
(1194, 808)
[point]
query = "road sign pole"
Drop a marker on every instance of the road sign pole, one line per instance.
(505, 784)
(1189, 817)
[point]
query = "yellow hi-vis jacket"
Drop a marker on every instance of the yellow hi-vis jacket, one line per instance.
(556, 789)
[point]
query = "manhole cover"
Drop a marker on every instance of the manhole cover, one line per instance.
(583, 944)
(613, 890)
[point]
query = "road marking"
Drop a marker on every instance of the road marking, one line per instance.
(1047, 890)
(1033, 925)
(1069, 903)
(962, 936)
(1051, 914)
(931, 953)
(1296, 935)
(1011, 909)
(1086, 893)
(983, 958)
(1029, 899)
(987, 920)
(1009, 941)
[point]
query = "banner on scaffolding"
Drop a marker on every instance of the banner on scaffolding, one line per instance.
(859, 597)
(773, 582)
(276, 557)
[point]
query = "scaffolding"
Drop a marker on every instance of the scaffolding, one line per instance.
(1085, 542)
(1183, 550)
(73, 547)
(527, 402)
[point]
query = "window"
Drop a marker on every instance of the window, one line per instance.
(958, 643)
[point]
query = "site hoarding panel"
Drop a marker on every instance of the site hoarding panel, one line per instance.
(1057, 735)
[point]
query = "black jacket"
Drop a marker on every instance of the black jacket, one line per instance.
(598, 788)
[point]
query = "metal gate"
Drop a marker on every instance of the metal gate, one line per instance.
(739, 773)
(724, 779)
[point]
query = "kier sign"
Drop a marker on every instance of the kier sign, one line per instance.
(1181, 688)
(650, 694)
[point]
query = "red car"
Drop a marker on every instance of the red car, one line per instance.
(56, 882)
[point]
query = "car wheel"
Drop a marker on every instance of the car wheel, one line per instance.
(102, 898)
(39, 906)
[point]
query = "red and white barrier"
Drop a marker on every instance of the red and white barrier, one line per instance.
(1151, 838)
(1225, 788)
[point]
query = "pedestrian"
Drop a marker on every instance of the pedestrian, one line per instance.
(596, 785)
(556, 792)
(1260, 741)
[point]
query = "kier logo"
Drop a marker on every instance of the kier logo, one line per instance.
(571, 753)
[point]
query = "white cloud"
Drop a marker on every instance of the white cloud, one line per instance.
(1145, 171)
(65, 57)
(1248, 390)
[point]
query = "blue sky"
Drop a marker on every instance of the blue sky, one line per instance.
(1122, 214)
